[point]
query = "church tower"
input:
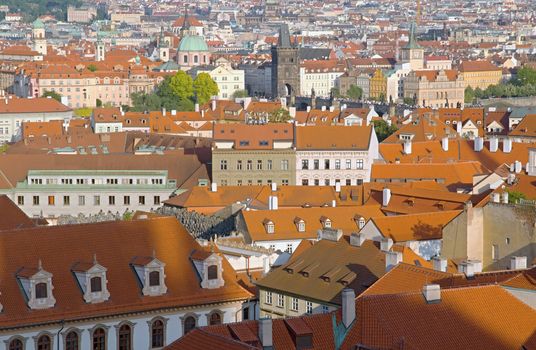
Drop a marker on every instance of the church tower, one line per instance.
(413, 53)
(100, 50)
(163, 47)
(38, 36)
(285, 66)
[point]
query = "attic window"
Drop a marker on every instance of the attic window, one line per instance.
(410, 201)
(263, 143)
(326, 222)
(361, 222)
(244, 143)
(269, 226)
(300, 224)
(41, 290)
(91, 278)
(150, 273)
(154, 278)
(96, 284)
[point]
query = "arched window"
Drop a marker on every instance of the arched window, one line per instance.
(125, 337)
(96, 284)
(157, 334)
(196, 59)
(41, 290)
(215, 319)
(71, 341)
(189, 324)
(154, 278)
(16, 344)
(99, 339)
(212, 272)
(43, 343)
(185, 58)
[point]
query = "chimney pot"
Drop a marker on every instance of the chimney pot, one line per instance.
(265, 332)
(493, 144)
(357, 239)
(214, 187)
(407, 147)
(386, 196)
(323, 108)
(445, 143)
(392, 259)
(432, 293)
(507, 145)
(439, 264)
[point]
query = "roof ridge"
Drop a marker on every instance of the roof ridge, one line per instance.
(224, 338)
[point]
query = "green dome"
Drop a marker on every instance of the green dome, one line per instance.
(38, 24)
(193, 43)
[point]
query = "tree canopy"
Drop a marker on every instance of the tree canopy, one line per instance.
(280, 115)
(383, 130)
(205, 88)
(355, 92)
(52, 94)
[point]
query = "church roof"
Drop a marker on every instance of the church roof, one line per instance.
(193, 43)
(284, 37)
(38, 24)
(413, 44)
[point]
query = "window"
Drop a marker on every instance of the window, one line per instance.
(71, 341)
(259, 164)
(41, 291)
(239, 182)
(111, 200)
(141, 200)
(126, 200)
(325, 309)
(43, 343)
(316, 164)
(289, 248)
(284, 182)
(212, 272)
(326, 163)
(507, 240)
(96, 200)
(96, 284)
(189, 324)
(305, 164)
(215, 319)
(348, 164)
(238, 165)
(326, 182)
(294, 304)
(51, 200)
(223, 165)
(156, 200)
(269, 165)
(305, 182)
(359, 164)
(280, 300)
(154, 278)
(81, 200)
(16, 344)
(308, 307)
(157, 334)
(348, 182)
(301, 226)
(495, 252)
(20, 200)
(268, 299)
(66, 200)
(284, 164)
(249, 165)
(270, 227)
(35, 200)
(337, 164)
(125, 335)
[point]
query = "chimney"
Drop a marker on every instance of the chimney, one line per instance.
(274, 186)
(386, 196)
(333, 203)
(343, 107)
(478, 144)
(357, 239)
(203, 113)
(213, 105)
(496, 197)
(214, 187)
(518, 262)
(196, 108)
(407, 147)
(348, 307)
(265, 265)
(323, 108)
(439, 264)
(338, 186)
(173, 112)
(164, 111)
(518, 167)
(386, 244)
(504, 197)
(330, 234)
(308, 109)
(431, 293)
(507, 145)
(292, 112)
(445, 143)
(265, 333)
(493, 144)
(392, 259)
(331, 108)
(470, 267)
(459, 127)
(273, 203)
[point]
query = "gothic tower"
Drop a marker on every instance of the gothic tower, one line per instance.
(285, 66)
(413, 53)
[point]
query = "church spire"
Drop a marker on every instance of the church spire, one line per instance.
(284, 37)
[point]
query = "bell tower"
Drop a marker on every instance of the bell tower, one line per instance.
(39, 38)
(285, 66)
(413, 53)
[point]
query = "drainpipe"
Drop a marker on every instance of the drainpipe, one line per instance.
(58, 334)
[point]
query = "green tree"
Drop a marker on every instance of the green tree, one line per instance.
(355, 92)
(280, 115)
(205, 88)
(383, 130)
(335, 92)
(469, 95)
(92, 68)
(515, 196)
(240, 94)
(99, 102)
(182, 85)
(525, 76)
(52, 94)
(145, 102)
(409, 101)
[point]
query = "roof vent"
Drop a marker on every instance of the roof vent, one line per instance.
(432, 293)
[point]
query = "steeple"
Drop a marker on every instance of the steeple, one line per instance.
(413, 44)
(161, 40)
(186, 24)
(284, 37)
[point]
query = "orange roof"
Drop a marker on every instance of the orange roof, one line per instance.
(422, 128)
(247, 136)
(32, 105)
(431, 75)
(169, 240)
(526, 128)
(478, 66)
(38, 129)
(333, 137)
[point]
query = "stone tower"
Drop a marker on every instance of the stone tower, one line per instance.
(38, 36)
(413, 53)
(285, 67)
(100, 50)
(163, 47)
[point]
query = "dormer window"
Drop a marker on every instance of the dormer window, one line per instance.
(150, 273)
(91, 278)
(37, 287)
(209, 268)
(269, 226)
(300, 224)
(326, 222)
(360, 222)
